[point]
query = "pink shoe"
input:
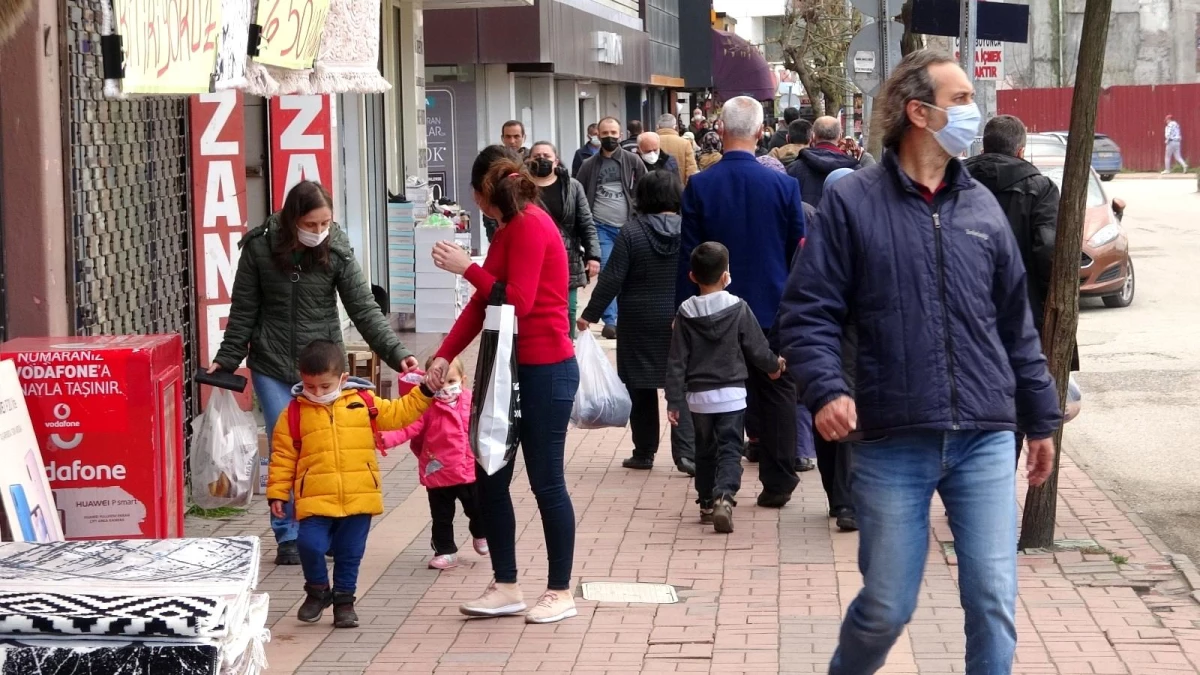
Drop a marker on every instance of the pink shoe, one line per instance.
(444, 562)
(480, 545)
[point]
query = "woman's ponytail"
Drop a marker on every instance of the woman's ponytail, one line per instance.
(504, 181)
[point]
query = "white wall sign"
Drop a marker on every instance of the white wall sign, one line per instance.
(989, 59)
(24, 490)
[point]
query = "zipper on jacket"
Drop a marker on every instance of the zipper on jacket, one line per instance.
(295, 278)
(302, 479)
(941, 263)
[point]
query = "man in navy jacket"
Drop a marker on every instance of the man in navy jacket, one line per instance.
(920, 259)
(757, 214)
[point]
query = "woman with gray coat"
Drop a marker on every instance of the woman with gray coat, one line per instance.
(564, 199)
(641, 273)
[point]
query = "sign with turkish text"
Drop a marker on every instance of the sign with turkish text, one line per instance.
(989, 59)
(301, 144)
(291, 32)
(169, 47)
(440, 147)
(218, 134)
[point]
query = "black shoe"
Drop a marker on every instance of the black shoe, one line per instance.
(608, 332)
(722, 515)
(805, 464)
(288, 553)
(773, 500)
(687, 466)
(319, 597)
(750, 451)
(846, 521)
(344, 615)
(639, 462)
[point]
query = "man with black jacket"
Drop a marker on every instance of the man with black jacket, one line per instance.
(814, 164)
(780, 137)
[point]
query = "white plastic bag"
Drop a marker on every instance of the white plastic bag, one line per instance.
(602, 399)
(1074, 399)
(224, 452)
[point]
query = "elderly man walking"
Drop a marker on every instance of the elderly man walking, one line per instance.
(814, 164)
(678, 147)
(756, 213)
(649, 148)
(920, 260)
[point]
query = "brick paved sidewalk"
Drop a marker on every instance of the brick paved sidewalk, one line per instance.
(766, 599)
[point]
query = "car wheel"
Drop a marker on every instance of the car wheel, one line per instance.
(1107, 176)
(1125, 297)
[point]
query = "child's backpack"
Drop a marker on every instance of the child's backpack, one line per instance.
(372, 411)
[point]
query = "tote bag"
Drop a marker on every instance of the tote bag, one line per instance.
(495, 428)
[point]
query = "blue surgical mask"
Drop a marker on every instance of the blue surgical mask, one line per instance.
(962, 125)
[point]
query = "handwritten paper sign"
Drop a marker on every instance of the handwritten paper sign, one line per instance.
(291, 32)
(169, 47)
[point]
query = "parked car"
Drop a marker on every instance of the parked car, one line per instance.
(1106, 154)
(1106, 269)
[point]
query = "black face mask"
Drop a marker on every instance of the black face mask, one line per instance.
(542, 167)
(610, 143)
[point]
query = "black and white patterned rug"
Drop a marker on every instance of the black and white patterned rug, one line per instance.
(27, 658)
(111, 615)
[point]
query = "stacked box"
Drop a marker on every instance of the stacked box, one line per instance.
(402, 257)
(438, 299)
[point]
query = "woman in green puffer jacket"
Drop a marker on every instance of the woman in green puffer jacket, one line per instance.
(291, 271)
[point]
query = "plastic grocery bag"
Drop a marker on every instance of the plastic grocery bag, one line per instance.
(495, 429)
(223, 454)
(1074, 399)
(602, 399)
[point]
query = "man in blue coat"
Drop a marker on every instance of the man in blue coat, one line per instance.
(757, 214)
(920, 260)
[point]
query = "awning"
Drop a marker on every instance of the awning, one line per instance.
(473, 4)
(739, 69)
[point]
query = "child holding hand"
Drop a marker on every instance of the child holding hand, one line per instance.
(447, 466)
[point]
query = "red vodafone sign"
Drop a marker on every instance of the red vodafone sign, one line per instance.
(301, 144)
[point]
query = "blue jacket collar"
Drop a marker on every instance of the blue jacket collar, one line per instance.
(957, 177)
(740, 155)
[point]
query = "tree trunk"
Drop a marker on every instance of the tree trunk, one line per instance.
(1062, 307)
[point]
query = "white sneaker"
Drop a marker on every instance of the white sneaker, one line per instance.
(497, 600)
(444, 562)
(551, 607)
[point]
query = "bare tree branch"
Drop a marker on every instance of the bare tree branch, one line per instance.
(814, 36)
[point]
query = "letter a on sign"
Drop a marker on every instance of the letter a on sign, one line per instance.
(301, 144)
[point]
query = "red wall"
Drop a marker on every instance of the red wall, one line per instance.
(1134, 117)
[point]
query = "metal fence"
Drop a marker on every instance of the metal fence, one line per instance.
(129, 202)
(1131, 116)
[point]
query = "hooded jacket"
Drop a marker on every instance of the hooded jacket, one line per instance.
(578, 229)
(814, 165)
(786, 154)
(440, 441)
(1030, 201)
(335, 472)
(274, 314)
(641, 271)
(937, 295)
(714, 339)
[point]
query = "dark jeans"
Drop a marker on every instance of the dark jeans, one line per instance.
(773, 403)
(833, 462)
(718, 455)
(645, 430)
(547, 395)
(345, 537)
(441, 509)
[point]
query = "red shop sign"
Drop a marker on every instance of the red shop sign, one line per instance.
(301, 144)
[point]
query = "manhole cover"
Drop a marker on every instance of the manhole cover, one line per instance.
(608, 591)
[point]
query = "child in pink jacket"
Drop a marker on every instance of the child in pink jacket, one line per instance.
(446, 465)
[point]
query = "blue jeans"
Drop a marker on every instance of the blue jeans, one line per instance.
(607, 234)
(547, 395)
(894, 479)
(345, 537)
(274, 397)
(804, 434)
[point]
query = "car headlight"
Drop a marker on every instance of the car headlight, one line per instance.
(1105, 235)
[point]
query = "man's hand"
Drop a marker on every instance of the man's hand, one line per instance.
(673, 417)
(582, 325)
(593, 269)
(277, 509)
(837, 419)
(1039, 463)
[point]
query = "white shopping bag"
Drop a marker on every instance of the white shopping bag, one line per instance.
(495, 429)
(224, 453)
(602, 399)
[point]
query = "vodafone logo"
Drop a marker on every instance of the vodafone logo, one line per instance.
(62, 415)
(62, 411)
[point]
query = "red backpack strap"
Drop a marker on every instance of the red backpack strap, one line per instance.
(373, 413)
(294, 423)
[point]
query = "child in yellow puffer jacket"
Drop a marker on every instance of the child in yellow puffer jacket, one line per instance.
(323, 453)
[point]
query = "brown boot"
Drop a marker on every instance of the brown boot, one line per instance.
(344, 615)
(319, 597)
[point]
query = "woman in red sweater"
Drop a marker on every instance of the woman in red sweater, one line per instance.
(528, 256)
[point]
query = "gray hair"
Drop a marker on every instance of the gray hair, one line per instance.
(649, 136)
(910, 81)
(742, 117)
(1004, 134)
(667, 121)
(827, 129)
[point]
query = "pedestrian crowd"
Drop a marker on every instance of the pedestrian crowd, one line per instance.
(794, 301)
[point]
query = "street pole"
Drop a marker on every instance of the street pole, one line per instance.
(966, 38)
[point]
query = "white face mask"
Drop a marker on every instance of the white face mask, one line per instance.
(650, 157)
(449, 393)
(327, 399)
(594, 140)
(311, 239)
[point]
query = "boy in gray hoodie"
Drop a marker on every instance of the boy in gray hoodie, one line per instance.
(714, 336)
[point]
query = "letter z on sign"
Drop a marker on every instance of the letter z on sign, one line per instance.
(301, 143)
